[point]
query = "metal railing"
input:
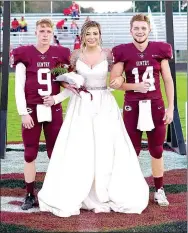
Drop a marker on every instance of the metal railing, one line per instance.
(116, 31)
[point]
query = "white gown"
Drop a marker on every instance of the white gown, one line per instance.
(93, 165)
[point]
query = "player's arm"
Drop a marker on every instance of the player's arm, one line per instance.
(169, 90)
(56, 99)
(117, 74)
(20, 78)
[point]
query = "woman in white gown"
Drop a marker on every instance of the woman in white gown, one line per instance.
(93, 165)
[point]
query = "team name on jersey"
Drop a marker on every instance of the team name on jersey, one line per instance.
(43, 64)
(142, 63)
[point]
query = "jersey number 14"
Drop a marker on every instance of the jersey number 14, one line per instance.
(147, 75)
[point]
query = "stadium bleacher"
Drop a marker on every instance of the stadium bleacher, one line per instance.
(115, 29)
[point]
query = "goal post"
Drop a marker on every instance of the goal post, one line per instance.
(4, 76)
(174, 134)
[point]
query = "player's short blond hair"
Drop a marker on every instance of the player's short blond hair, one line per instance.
(140, 17)
(45, 21)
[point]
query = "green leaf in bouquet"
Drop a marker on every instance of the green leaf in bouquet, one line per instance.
(59, 70)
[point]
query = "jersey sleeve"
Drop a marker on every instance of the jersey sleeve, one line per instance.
(165, 51)
(20, 78)
(119, 54)
(19, 55)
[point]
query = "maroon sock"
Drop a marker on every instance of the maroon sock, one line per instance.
(158, 181)
(30, 187)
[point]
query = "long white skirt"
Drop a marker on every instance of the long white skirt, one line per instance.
(93, 164)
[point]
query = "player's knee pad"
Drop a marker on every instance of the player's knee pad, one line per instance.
(30, 154)
(156, 151)
(29, 158)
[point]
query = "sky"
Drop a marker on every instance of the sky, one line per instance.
(105, 6)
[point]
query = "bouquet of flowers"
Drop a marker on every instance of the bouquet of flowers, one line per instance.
(72, 78)
(60, 69)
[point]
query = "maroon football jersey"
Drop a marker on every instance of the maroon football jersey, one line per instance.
(39, 80)
(139, 66)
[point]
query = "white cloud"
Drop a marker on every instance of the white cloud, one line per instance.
(105, 6)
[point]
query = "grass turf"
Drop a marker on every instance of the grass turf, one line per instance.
(14, 121)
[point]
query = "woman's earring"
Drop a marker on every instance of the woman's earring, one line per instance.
(100, 41)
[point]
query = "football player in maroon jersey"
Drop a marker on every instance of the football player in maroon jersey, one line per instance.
(143, 62)
(34, 83)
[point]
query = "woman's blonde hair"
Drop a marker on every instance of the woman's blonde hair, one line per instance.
(84, 29)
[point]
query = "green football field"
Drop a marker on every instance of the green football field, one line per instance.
(14, 123)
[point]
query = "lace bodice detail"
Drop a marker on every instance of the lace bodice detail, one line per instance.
(95, 76)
